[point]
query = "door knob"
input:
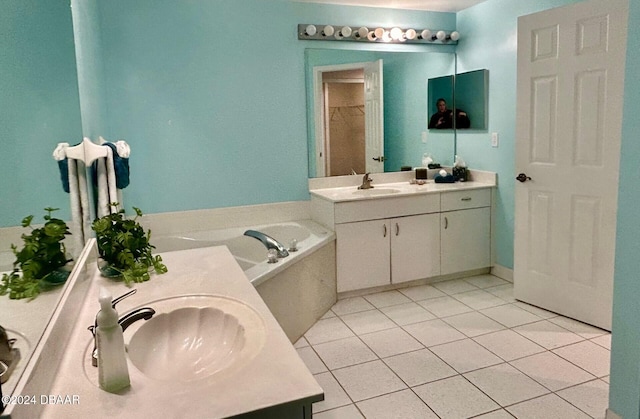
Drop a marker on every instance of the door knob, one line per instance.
(380, 158)
(522, 177)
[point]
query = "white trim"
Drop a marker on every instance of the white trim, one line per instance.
(318, 110)
(502, 272)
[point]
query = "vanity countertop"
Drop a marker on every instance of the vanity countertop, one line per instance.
(394, 190)
(275, 376)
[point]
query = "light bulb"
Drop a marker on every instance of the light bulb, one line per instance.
(362, 32)
(441, 35)
(328, 30)
(386, 37)
(310, 30)
(371, 36)
(425, 34)
(396, 34)
(410, 34)
(455, 35)
(379, 32)
(346, 31)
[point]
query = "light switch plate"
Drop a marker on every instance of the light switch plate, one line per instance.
(494, 139)
(424, 137)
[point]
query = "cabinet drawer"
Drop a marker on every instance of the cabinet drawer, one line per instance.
(374, 209)
(473, 198)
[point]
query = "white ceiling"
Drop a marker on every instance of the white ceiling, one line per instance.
(431, 5)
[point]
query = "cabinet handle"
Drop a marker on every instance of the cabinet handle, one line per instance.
(385, 230)
(397, 229)
(466, 198)
(446, 223)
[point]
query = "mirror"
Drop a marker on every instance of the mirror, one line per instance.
(470, 96)
(405, 104)
(40, 106)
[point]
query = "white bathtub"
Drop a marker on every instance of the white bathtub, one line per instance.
(250, 253)
(298, 289)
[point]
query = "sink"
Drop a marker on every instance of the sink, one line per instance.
(375, 191)
(192, 337)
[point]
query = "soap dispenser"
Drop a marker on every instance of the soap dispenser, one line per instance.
(113, 374)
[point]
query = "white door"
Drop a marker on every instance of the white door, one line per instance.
(570, 88)
(374, 117)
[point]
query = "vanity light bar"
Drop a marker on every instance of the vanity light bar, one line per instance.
(386, 35)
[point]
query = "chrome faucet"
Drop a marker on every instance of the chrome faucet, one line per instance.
(366, 182)
(125, 321)
(269, 242)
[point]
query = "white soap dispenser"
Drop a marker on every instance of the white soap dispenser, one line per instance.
(113, 374)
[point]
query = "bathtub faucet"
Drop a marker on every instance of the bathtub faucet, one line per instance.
(269, 242)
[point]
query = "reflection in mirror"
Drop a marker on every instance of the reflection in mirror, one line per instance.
(404, 94)
(40, 107)
(472, 95)
(468, 91)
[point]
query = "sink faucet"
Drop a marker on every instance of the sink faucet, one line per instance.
(125, 321)
(366, 182)
(269, 242)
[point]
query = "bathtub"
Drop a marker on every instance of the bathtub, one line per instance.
(298, 289)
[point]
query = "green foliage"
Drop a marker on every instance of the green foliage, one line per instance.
(43, 252)
(125, 246)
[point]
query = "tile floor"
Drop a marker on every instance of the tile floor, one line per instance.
(457, 349)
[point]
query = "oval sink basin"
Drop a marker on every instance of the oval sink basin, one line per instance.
(194, 337)
(375, 191)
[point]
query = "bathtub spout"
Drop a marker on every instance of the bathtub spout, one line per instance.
(269, 242)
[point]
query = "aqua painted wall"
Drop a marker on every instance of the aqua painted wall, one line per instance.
(624, 387)
(38, 105)
(493, 45)
(216, 116)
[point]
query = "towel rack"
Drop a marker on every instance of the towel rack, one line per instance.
(87, 151)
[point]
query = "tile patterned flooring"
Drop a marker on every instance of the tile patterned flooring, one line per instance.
(458, 349)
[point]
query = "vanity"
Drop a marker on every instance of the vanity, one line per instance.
(261, 376)
(398, 232)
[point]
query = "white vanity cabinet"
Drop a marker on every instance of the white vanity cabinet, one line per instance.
(380, 252)
(415, 233)
(465, 230)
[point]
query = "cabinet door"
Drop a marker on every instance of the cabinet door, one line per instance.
(362, 254)
(466, 240)
(415, 247)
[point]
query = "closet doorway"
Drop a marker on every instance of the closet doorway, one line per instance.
(344, 121)
(349, 126)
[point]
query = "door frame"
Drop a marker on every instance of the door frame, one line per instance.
(319, 101)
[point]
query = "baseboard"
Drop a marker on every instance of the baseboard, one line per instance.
(610, 414)
(502, 272)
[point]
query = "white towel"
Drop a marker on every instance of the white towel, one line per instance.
(107, 191)
(80, 213)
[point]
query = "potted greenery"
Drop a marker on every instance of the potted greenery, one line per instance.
(41, 263)
(124, 248)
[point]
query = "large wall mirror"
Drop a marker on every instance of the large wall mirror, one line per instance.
(335, 82)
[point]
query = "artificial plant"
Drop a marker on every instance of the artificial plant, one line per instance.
(125, 248)
(42, 255)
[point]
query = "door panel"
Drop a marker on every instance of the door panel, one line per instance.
(570, 80)
(374, 117)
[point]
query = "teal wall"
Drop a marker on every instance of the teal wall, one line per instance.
(624, 396)
(216, 115)
(38, 105)
(493, 46)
